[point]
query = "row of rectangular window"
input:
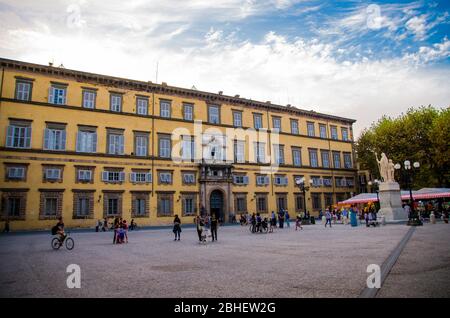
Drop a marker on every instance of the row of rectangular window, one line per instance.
(83, 204)
(86, 175)
(57, 95)
(19, 136)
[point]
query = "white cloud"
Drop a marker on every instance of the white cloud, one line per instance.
(427, 54)
(128, 39)
(418, 26)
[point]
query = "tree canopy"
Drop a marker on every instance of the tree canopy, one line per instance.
(421, 134)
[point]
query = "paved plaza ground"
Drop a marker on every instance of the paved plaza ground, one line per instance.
(315, 262)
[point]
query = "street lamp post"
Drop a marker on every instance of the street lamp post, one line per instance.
(303, 188)
(408, 172)
(375, 183)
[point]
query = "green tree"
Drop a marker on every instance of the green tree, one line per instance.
(420, 134)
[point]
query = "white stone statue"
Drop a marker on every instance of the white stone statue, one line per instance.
(383, 166)
(391, 171)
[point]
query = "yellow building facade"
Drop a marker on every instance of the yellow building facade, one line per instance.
(87, 147)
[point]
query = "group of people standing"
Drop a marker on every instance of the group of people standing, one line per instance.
(344, 216)
(206, 225)
(120, 231)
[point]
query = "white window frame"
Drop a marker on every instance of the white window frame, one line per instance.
(240, 179)
(299, 157)
(86, 141)
(276, 120)
(23, 90)
(344, 136)
(84, 175)
(257, 121)
(262, 180)
(165, 177)
(52, 174)
(164, 147)
(165, 109)
(237, 120)
(141, 106)
(16, 172)
(18, 136)
(322, 131)
(57, 95)
(188, 112)
(141, 143)
(89, 97)
(348, 161)
(116, 103)
(239, 151)
(113, 176)
(334, 132)
(294, 127)
(338, 156)
(313, 158)
(213, 114)
(311, 129)
(325, 159)
(55, 139)
(115, 144)
(260, 152)
(188, 178)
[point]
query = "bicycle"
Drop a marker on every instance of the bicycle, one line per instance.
(263, 227)
(69, 242)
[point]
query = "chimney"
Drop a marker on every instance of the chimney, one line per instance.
(220, 92)
(164, 84)
(237, 95)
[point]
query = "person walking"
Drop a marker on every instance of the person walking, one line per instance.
(6, 229)
(298, 223)
(328, 218)
(125, 228)
(214, 225)
(286, 216)
(199, 225)
(408, 210)
(105, 225)
(345, 216)
(353, 218)
(281, 219)
(116, 227)
(177, 227)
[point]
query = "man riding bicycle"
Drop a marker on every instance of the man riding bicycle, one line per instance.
(58, 230)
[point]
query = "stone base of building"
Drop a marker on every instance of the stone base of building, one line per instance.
(391, 203)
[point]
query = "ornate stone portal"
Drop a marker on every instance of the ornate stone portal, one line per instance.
(389, 192)
(216, 182)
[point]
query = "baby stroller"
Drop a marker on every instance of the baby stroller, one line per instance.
(204, 235)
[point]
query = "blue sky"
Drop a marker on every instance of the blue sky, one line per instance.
(359, 59)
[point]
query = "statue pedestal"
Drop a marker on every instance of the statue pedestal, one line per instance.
(391, 202)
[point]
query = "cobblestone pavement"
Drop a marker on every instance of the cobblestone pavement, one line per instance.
(423, 268)
(314, 262)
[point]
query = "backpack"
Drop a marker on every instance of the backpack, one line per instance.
(54, 230)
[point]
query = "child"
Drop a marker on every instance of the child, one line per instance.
(120, 235)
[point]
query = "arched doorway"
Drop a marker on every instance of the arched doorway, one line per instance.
(217, 204)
